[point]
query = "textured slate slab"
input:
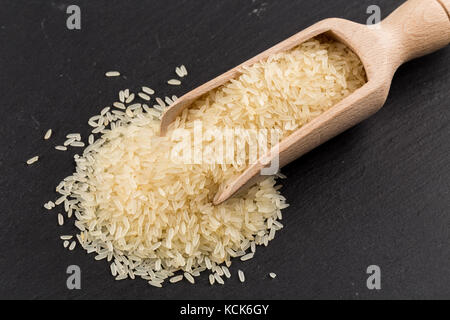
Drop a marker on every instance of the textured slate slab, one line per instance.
(377, 194)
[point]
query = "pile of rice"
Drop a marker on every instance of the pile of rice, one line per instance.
(151, 217)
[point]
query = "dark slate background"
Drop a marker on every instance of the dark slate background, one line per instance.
(377, 194)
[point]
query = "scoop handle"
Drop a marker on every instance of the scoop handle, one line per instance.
(417, 28)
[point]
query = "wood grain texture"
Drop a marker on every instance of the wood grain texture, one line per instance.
(376, 194)
(417, 28)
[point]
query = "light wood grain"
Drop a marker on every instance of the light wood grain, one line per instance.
(416, 28)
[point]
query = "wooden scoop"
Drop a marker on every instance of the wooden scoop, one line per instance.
(416, 28)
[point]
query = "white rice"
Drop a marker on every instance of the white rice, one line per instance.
(49, 205)
(75, 136)
(72, 246)
(219, 271)
(211, 279)
(66, 244)
(208, 263)
(247, 257)
(135, 106)
(33, 160)
(113, 269)
(112, 74)
(176, 279)
(144, 96)
(48, 134)
(61, 148)
(60, 200)
(273, 275)
(189, 277)
(226, 272)
(98, 129)
(77, 144)
(168, 101)
(241, 276)
(130, 98)
(160, 102)
(148, 90)
(174, 82)
(119, 105)
(179, 72)
(184, 70)
(129, 113)
(60, 219)
(104, 111)
(69, 141)
(218, 278)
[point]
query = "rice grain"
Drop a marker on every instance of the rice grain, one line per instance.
(174, 82)
(144, 96)
(60, 219)
(241, 276)
(148, 90)
(72, 246)
(119, 105)
(176, 279)
(48, 134)
(112, 74)
(33, 160)
(189, 277)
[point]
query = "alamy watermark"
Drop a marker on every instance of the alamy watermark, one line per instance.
(73, 21)
(227, 146)
(374, 20)
(73, 282)
(374, 280)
